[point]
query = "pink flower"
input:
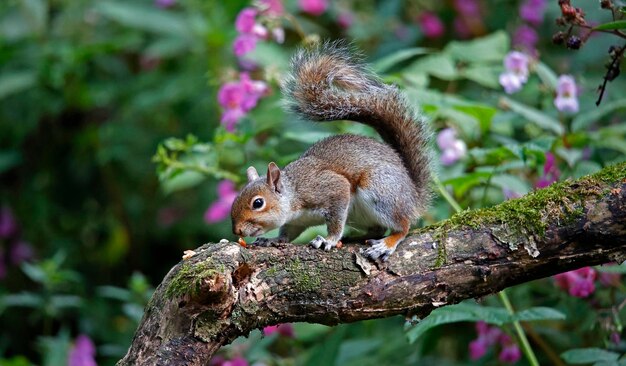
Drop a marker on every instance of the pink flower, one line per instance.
(609, 279)
(285, 330)
(221, 361)
(345, 19)
(532, 11)
(244, 43)
(164, 3)
(8, 224)
(510, 82)
(478, 348)
(246, 20)
(431, 25)
(510, 353)
(566, 94)
(238, 98)
(273, 7)
(578, 283)
(313, 7)
(220, 209)
(452, 148)
(83, 352)
(278, 33)
(487, 337)
(551, 172)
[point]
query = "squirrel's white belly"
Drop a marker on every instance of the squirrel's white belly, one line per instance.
(362, 212)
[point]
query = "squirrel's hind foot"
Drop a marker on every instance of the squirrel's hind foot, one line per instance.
(378, 249)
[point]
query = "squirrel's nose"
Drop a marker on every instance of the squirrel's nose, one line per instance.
(237, 230)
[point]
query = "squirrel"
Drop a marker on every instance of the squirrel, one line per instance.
(346, 179)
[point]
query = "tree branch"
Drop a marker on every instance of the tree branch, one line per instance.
(225, 290)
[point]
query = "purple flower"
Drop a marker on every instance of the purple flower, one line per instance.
(566, 94)
(510, 194)
(8, 225)
(452, 148)
(83, 352)
(246, 19)
(221, 361)
(431, 25)
(578, 283)
(525, 37)
(20, 251)
(313, 7)
(517, 63)
(164, 3)
(510, 82)
(532, 11)
(515, 72)
(220, 209)
(3, 267)
(285, 330)
(467, 7)
(510, 353)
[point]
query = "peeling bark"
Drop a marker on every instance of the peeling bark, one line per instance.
(225, 290)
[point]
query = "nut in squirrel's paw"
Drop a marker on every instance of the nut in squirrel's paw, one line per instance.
(321, 242)
(378, 249)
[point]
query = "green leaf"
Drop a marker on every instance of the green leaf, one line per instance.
(326, 352)
(145, 17)
(463, 183)
(539, 118)
(439, 65)
(36, 13)
(9, 159)
(459, 313)
(385, 63)
(511, 182)
(307, 137)
(484, 75)
(618, 24)
(546, 74)
(483, 113)
(584, 119)
(585, 167)
(621, 268)
(182, 180)
(539, 313)
(492, 47)
(15, 82)
(581, 356)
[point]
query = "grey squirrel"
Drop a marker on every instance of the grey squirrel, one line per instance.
(346, 179)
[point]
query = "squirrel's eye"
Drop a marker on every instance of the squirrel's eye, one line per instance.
(258, 203)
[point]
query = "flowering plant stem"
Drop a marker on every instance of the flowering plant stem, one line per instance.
(528, 351)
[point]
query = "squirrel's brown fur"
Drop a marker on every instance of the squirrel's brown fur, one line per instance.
(345, 178)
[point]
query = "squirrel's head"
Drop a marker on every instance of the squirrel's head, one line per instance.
(259, 206)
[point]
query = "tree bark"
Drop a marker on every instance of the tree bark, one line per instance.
(225, 290)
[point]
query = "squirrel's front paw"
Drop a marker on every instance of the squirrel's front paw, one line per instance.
(264, 242)
(320, 241)
(378, 249)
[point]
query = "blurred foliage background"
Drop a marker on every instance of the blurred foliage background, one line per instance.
(115, 146)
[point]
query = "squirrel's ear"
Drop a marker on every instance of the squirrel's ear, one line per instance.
(252, 174)
(273, 177)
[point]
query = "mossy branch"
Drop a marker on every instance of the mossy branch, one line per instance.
(225, 290)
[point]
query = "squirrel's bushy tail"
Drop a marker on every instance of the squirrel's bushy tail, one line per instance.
(330, 82)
